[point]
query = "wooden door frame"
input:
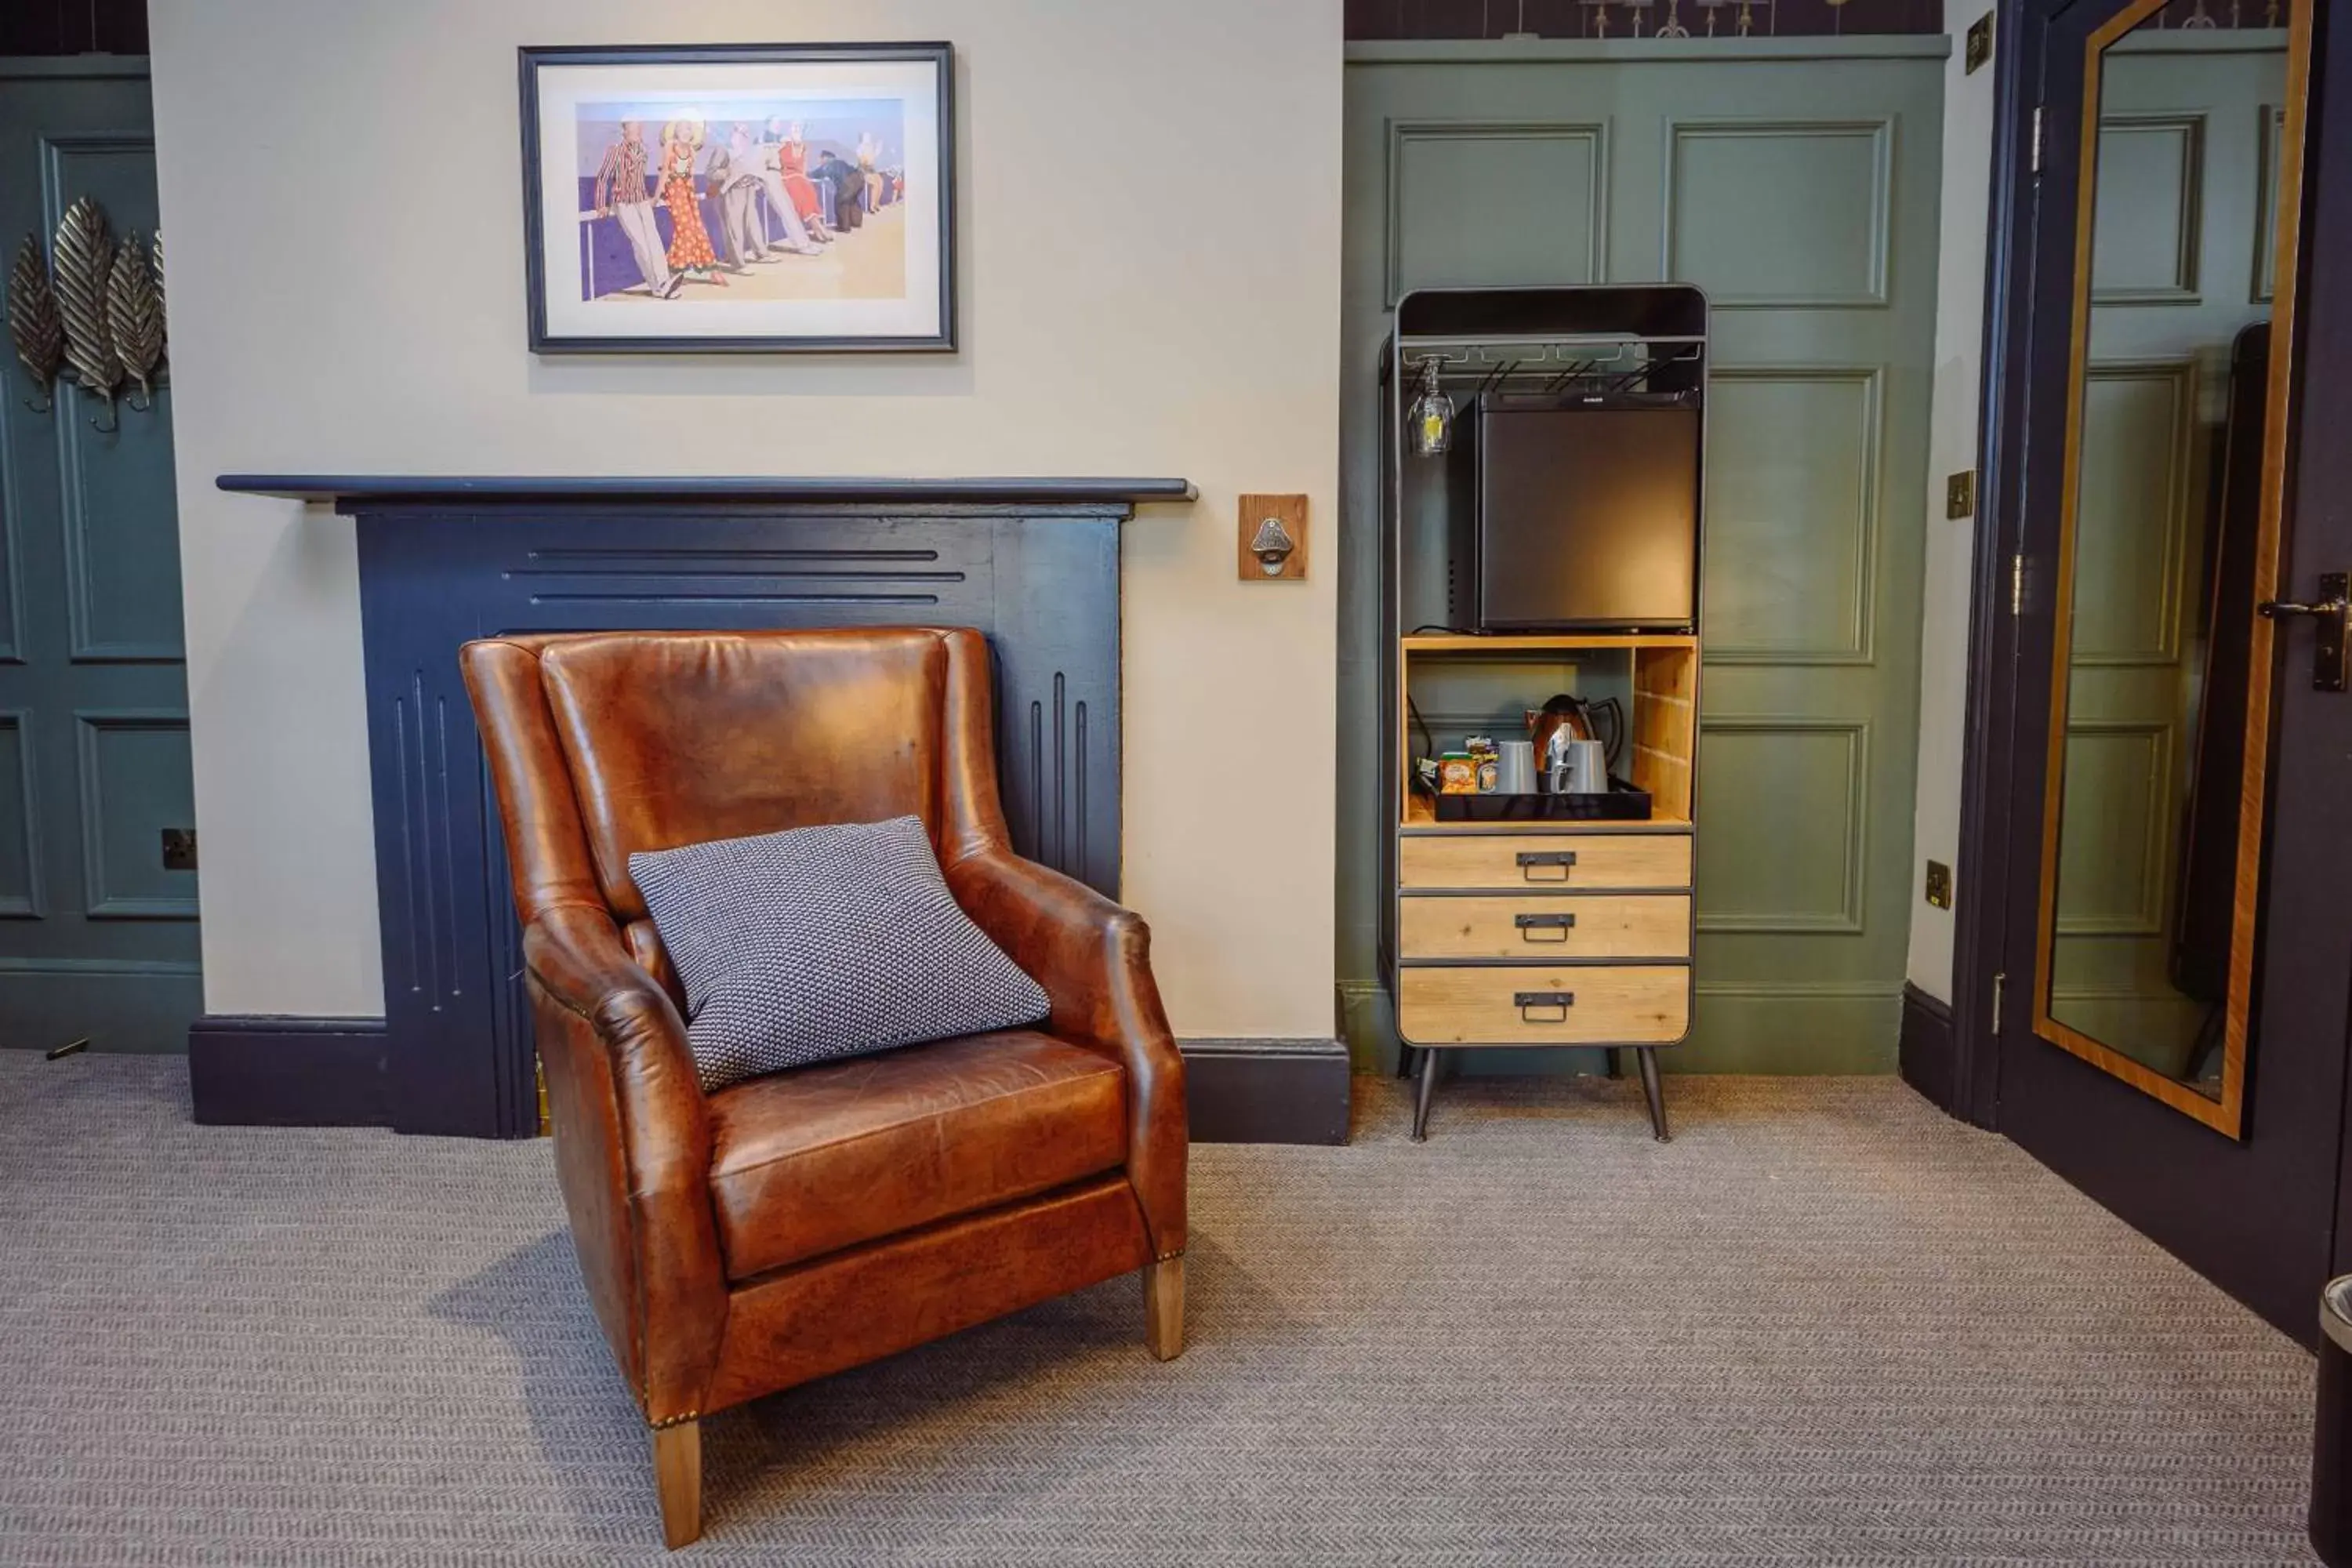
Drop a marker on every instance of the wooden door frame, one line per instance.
(1988, 796)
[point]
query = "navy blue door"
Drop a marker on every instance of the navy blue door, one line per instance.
(98, 921)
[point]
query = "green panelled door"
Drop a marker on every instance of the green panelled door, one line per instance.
(1800, 189)
(98, 936)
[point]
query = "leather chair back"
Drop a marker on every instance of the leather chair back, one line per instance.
(676, 738)
(678, 741)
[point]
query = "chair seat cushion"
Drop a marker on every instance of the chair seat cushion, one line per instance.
(818, 942)
(807, 1162)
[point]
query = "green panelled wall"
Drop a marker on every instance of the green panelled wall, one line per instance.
(1797, 184)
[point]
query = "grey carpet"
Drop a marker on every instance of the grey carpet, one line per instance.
(1825, 1326)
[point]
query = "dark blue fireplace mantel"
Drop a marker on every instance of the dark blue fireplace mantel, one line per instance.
(358, 492)
(1033, 563)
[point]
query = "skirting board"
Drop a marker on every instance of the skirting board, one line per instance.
(1924, 1048)
(274, 1071)
(278, 1071)
(1267, 1091)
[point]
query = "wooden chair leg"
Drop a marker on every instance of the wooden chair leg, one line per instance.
(1163, 1307)
(677, 1479)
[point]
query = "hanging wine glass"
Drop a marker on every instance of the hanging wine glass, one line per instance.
(1431, 417)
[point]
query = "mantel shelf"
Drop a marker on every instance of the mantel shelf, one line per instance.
(349, 492)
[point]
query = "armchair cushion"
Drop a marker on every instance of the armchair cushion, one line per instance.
(819, 943)
(807, 1163)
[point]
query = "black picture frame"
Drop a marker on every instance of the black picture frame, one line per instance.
(546, 338)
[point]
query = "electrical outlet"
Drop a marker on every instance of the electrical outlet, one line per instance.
(1939, 884)
(1960, 494)
(179, 849)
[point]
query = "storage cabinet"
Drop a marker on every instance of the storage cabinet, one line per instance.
(1548, 930)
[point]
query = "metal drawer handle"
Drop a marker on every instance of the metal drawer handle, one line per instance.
(1531, 860)
(1529, 924)
(1562, 1000)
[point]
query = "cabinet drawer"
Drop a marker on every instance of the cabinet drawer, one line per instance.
(1544, 860)
(1648, 1006)
(1623, 925)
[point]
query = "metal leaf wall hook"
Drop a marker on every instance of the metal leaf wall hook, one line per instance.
(33, 323)
(134, 319)
(83, 256)
(90, 311)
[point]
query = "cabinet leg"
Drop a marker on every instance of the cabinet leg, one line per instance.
(678, 1479)
(1616, 1061)
(1421, 1099)
(1655, 1092)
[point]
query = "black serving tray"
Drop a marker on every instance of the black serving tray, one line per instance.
(1623, 803)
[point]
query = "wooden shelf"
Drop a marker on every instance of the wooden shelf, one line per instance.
(1452, 642)
(1420, 816)
(1661, 739)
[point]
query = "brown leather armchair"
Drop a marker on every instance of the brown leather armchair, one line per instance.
(785, 1227)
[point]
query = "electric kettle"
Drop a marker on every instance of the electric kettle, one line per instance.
(1570, 718)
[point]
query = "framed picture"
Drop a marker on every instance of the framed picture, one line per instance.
(739, 197)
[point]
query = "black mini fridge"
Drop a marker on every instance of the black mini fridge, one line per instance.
(1576, 514)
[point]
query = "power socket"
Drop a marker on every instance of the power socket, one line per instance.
(179, 849)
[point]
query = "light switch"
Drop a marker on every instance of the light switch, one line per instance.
(1960, 494)
(1939, 884)
(1980, 44)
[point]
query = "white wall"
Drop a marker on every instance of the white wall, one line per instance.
(1150, 203)
(1952, 447)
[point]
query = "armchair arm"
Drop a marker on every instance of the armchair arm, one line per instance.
(1094, 960)
(633, 1152)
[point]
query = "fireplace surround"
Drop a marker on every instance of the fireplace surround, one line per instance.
(1031, 563)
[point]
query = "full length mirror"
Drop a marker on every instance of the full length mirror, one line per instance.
(2161, 697)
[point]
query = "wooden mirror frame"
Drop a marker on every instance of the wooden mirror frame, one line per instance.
(2227, 1114)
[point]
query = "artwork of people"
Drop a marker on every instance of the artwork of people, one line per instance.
(689, 242)
(780, 202)
(740, 196)
(791, 160)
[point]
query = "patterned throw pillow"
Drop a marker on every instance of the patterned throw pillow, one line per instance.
(819, 943)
